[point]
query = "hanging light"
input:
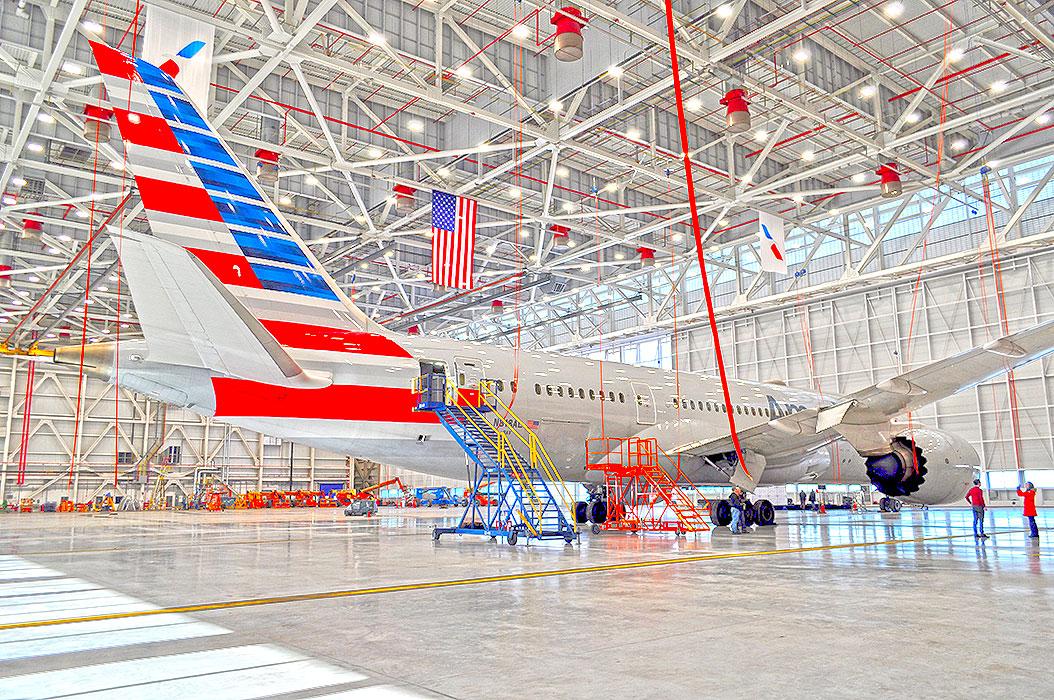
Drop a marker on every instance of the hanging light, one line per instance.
(497, 307)
(97, 124)
(737, 119)
(404, 199)
(32, 228)
(647, 256)
(266, 166)
(561, 236)
(890, 180)
(568, 45)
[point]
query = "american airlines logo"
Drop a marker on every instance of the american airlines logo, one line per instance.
(785, 409)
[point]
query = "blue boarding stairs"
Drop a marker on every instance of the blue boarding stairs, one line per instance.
(517, 492)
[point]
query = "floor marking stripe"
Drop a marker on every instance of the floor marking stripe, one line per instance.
(427, 585)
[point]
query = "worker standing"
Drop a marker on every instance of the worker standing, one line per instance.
(737, 501)
(975, 497)
(801, 499)
(1028, 496)
(812, 500)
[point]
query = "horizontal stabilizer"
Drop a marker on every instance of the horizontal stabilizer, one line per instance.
(189, 318)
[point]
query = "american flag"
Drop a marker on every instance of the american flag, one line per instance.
(453, 239)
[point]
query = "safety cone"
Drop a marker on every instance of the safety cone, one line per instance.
(823, 508)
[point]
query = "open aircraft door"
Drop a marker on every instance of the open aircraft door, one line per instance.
(645, 401)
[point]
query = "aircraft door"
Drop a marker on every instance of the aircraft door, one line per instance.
(467, 375)
(645, 401)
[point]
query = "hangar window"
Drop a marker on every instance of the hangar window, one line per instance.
(538, 389)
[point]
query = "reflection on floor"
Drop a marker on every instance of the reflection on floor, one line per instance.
(915, 604)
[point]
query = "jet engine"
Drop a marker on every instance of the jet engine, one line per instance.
(924, 466)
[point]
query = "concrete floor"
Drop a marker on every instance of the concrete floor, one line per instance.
(824, 602)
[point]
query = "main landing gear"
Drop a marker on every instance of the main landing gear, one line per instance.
(888, 504)
(761, 513)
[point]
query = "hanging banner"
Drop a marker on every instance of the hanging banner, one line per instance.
(773, 249)
(166, 34)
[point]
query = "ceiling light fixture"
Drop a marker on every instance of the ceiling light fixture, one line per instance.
(71, 68)
(893, 9)
(761, 135)
(808, 156)
(694, 104)
(563, 172)
(633, 133)
(998, 87)
(521, 31)
(463, 72)
(377, 39)
(955, 55)
(868, 91)
(374, 153)
(858, 178)
(724, 11)
(92, 27)
(556, 105)
(35, 147)
(913, 117)
(801, 55)
(615, 71)
(415, 125)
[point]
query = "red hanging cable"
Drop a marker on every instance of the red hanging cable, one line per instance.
(1004, 324)
(697, 231)
(27, 409)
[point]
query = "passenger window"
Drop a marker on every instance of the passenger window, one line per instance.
(581, 393)
(461, 379)
(692, 402)
(684, 403)
(559, 391)
(501, 385)
(592, 395)
(570, 392)
(621, 397)
(538, 389)
(549, 389)
(611, 396)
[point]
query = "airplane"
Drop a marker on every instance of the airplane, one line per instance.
(241, 322)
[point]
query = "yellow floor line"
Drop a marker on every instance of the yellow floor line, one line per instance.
(426, 585)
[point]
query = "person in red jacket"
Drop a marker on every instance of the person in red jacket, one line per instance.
(975, 497)
(1028, 498)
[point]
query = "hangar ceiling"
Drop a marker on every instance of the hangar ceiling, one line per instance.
(359, 97)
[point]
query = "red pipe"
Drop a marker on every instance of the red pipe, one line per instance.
(697, 230)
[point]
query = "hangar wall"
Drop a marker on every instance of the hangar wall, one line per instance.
(844, 343)
(192, 446)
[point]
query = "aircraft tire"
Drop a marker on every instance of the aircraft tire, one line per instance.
(764, 513)
(598, 512)
(511, 538)
(581, 512)
(883, 504)
(894, 505)
(720, 513)
(749, 514)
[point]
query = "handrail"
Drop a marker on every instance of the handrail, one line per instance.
(534, 446)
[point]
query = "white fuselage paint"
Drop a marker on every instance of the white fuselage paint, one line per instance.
(643, 397)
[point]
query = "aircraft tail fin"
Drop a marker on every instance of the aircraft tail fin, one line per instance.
(199, 197)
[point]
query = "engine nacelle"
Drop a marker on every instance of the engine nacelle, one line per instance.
(924, 466)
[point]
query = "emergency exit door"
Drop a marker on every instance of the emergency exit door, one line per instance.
(645, 401)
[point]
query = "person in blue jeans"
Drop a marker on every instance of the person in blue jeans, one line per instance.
(975, 497)
(737, 500)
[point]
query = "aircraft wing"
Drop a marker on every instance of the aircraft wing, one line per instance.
(864, 417)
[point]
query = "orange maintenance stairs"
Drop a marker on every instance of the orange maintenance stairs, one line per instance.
(641, 494)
